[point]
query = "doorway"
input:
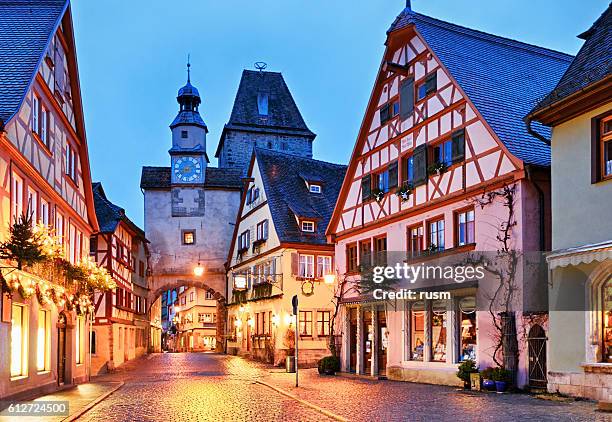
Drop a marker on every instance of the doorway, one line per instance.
(61, 349)
(368, 340)
(353, 339)
(383, 342)
(537, 356)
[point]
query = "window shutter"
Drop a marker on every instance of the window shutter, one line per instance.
(458, 146)
(294, 263)
(406, 98)
(420, 165)
(366, 187)
(393, 175)
(385, 114)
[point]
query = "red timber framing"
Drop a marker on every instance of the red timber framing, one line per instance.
(436, 117)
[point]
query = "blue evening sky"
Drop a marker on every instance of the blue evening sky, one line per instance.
(132, 58)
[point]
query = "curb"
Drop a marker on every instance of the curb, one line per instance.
(304, 402)
(92, 404)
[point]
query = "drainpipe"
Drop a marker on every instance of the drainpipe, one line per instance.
(533, 132)
(529, 174)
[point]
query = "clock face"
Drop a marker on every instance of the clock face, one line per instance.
(187, 169)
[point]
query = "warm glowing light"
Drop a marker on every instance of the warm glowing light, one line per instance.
(240, 282)
(198, 270)
(177, 309)
(238, 323)
(275, 320)
(251, 322)
(288, 319)
(241, 309)
(329, 278)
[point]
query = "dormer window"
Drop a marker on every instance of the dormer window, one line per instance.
(262, 103)
(184, 134)
(252, 195)
(308, 226)
(315, 188)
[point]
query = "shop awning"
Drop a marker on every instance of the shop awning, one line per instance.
(580, 255)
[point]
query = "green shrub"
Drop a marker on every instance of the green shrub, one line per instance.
(501, 374)
(329, 362)
(466, 368)
(487, 373)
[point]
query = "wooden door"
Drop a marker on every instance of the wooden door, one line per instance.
(368, 342)
(61, 349)
(537, 357)
(353, 340)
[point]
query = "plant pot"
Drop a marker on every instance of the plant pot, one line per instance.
(329, 371)
(290, 364)
(466, 385)
(500, 386)
(488, 385)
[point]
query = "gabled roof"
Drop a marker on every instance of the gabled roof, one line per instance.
(26, 28)
(288, 196)
(110, 215)
(502, 77)
(160, 177)
(592, 64)
(283, 114)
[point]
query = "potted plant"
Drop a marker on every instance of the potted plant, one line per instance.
(404, 192)
(466, 368)
(289, 343)
(329, 365)
(502, 377)
(487, 380)
(438, 168)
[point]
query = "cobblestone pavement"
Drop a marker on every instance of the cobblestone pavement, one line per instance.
(197, 386)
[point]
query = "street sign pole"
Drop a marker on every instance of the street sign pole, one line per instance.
(294, 302)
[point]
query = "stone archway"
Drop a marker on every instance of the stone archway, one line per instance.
(158, 285)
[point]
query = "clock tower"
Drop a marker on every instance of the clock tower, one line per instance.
(188, 153)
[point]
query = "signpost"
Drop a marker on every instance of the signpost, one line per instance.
(294, 303)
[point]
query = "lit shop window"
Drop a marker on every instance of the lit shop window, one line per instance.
(417, 331)
(439, 322)
(43, 341)
(80, 340)
(19, 341)
(467, 306)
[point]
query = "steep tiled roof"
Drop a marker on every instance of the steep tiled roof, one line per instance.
(26, 27)
(289, 197)
(109, 215)
(502, 77)
(283, 115)
(592, 63)
(159, 178)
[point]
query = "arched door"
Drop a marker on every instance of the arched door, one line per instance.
(537, 356)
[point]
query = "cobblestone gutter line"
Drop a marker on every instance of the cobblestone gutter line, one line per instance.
(89, 406)
(304, 402)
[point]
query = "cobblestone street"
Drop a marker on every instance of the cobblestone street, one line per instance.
(207, 387)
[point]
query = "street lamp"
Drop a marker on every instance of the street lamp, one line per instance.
(198, 270)
(329, 278)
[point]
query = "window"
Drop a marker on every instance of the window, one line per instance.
(428, 86)
(365, 253)
(306, 266)
(188, 237)
(351, 258)
(602, 148)
(380, 251)
(417, 331)
(395, 108)
(465, 227)
(305, 323)
(381, 181)
(324, 266)
(184, 134)
(19, 341)
(209, 296)
(442, 153)
(415, 240)
(439, 323)
(43, 341)
(436, 235)
(184, 300)
(44, 127)
(244, 241)
(59, 228)
(366, 187)
(262, 103)
(33, 205)
(81, 335)
(17, 196)
(408, 170)
(262, 230)
(252, 195)
(406, 98)
(141, 268)
(606, 308)
(315, 188)
(308, 226)
(36, 114)
(191, 297)
(94, 343)
(44, 212)
(467, 327)
(71, 162)
(385, 114)
(323, 320)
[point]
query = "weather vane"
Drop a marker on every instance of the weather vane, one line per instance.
(260, 66)
(188, 68)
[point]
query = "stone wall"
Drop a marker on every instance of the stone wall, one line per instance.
(594, 383)
(238, 147)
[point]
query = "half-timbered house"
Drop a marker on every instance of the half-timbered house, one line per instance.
(44, 172)
(121, 326)
(279, 250)
(442, 126)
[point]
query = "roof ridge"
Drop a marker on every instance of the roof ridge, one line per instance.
(274, 152)
(487, 36)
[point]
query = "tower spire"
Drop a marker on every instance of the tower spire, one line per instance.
(408, 5)
(188, 69)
